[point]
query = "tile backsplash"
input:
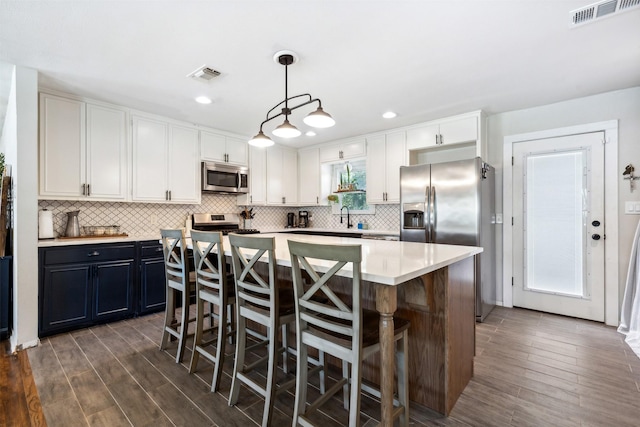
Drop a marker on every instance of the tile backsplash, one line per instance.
(145, 219)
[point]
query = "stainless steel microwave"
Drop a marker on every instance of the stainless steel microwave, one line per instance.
(224, 178)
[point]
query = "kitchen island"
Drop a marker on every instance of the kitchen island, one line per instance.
(433, 286)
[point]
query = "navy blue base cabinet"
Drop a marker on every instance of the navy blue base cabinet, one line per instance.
(152, 290)
(85, 285)
(6, 307)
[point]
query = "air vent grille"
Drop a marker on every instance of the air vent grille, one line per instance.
(204, 73)
(600, 10)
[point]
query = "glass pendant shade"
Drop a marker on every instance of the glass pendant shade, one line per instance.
(286, 130)
(319, 119)
(261, 140)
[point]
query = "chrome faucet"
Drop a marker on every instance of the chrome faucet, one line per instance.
(349, 225)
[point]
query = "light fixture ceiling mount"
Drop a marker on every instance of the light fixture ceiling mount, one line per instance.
(318, 118)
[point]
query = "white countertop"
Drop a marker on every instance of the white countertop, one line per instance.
(96, 240)
(383, 261)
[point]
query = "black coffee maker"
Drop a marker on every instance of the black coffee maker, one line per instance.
(303, 221)
(291, 220)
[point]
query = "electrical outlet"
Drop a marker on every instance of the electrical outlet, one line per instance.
(499, 218)
(153, 219)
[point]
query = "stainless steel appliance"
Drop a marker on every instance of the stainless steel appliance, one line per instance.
(224, 178)
(291, 220)
(453, 203)
(303, 219)
(225, 223)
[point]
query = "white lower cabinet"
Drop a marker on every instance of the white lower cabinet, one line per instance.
(83, 150)
(309, 177)
(282, 176)
(166, 162)
(385, 156)
(257, 178)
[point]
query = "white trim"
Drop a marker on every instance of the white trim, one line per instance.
(612, 286)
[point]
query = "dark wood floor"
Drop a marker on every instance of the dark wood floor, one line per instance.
(531, 369)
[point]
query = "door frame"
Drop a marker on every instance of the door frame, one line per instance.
(611, 285)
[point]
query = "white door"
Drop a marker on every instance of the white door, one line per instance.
(559, 228)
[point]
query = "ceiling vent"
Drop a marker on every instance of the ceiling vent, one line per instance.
(600, 10)
(205, 73)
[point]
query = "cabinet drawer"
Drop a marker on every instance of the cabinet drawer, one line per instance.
(88, 253)
(150, 250)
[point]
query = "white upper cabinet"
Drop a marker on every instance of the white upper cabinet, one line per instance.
(224, 149)
(184, 165)
(166, 162)
(385, 155)
(309, 177)
(83, 150)
(257, 178)
(348, 149)
(454, 130)
(282, 176)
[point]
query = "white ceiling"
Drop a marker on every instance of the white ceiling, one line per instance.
(423, 59)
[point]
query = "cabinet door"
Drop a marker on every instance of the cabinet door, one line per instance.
(106, 153)
(62, 147)
(153, 294)
(395, 157)
(65, 297)
(150, 151)
(212, 147)
(309, 177)
(422, 137)
(184, 165)
(275, 187)
(290, 176)
(463, 130)
(237, 151)
(257, 178)
(330, 153)
(376, 164)
(353, 149)
(113, 290)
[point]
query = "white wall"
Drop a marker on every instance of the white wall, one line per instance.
(20, 145)
(623, 105)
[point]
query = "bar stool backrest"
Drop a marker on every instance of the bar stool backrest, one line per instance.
(331, 315)
(254, 289)
(174, 249)
(209, 276)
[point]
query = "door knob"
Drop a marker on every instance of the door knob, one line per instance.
(595, 223)
(595, 236)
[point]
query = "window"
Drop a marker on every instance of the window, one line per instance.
(349, 183)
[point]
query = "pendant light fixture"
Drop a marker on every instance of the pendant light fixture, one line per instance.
(318, 118)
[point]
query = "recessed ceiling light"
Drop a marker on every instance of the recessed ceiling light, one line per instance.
(203, 100)
(389, 115)
(310, 133)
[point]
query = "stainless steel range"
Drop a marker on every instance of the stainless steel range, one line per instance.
(225, 223)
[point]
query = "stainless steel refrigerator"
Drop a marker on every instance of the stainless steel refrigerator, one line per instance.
(453, 203)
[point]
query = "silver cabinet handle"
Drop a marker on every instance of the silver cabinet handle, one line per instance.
(158, 249)
(88, 189)
(251, 199)
(84, 189)
(169, 194)
(166, 194)
(283, 200)
(94, 253)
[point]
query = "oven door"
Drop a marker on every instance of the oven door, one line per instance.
(221, 178)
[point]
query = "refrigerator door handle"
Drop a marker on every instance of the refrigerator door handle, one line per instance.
(427, 216)
(433, 218)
